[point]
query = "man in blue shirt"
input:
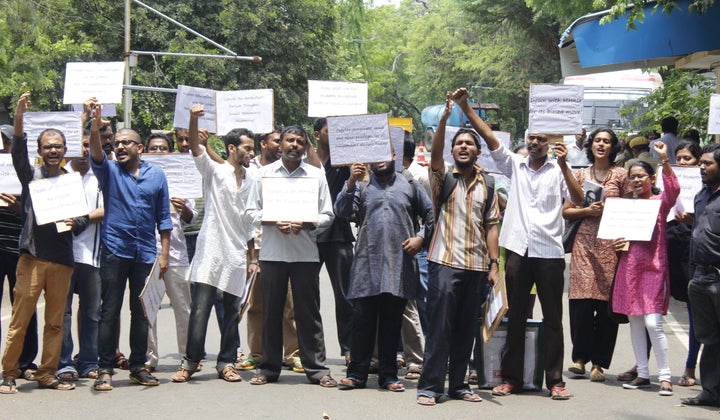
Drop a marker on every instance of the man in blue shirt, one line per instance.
(136, 201)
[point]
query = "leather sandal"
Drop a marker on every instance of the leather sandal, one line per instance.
(503, 390)
(426, 401)
(259, 379)
(57, 385)
(229, 374)
(8, 387)
(327, 381)
(182, 375)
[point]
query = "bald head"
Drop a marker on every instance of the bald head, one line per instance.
(130, 134)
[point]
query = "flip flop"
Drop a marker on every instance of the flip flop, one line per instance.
(687, 381)
(469, 396)
(394, 386)
(350, 383)
(258, 379)
(427, 401)
(68, 376)
(57, 385)
(8, 387)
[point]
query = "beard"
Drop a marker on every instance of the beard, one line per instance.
(389, 169)
(463, 165)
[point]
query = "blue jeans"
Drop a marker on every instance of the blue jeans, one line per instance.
(86, 282)
(114, 273)
(203, 298)
(422, 303)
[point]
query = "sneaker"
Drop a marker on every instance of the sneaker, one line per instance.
(143, 377)
(637, 383)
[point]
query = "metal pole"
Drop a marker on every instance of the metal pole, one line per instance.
(127, 102)
(187, 28)
(254, 58)
(149, 89)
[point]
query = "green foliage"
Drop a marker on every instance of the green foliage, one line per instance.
(685, 95)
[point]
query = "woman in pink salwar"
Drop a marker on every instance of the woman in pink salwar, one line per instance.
(642, 282)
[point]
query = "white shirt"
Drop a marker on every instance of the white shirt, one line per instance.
(221, 253)
(577, 156)
(302, 247)
(86, 245)
(178, 247)
(533, 220)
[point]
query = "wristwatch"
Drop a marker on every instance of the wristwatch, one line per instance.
(494, 260)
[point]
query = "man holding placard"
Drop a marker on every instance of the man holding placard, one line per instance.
(45, 264)
(336, 243)
(532, 237)
(290, 250)
(136, 202)
(220, 261)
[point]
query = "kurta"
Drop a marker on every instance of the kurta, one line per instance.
(387, 212)
(221, 250)
(593, 261)
(642, 282)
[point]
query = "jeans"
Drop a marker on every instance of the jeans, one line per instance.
(8, 265)
(203, 298)
(115, 272)
(86, 282)
(422, 302)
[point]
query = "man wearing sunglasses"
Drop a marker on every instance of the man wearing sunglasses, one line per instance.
(136, 203)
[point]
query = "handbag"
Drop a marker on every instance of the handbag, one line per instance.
(568, 238)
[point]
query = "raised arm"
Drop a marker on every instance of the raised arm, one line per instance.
(461, 96)
(576, 192)
(438, 140)
(96, 151)
(204, 135)
(196, 111)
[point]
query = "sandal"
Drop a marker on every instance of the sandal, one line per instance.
(666, 389)
(103, 382)
(425, 400)
(695, 401)
(229, 374)
(468, 396)
(473, 378)
(559, 393)
(247, 364)
(29, 375)
(413, 372)
(92, 374)
(394, 386)
(58, 385)
(121, 362)
(297, 366)
(143, 377)
(350, 383)
(68, 376)
(8, 387)
(687, 381)
(182, 375)
(259, 379)
(327, 382)
(503, 390)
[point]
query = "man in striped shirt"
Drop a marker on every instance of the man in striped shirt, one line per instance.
(462, 257)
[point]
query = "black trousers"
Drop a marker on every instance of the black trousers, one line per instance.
(704, 295)
(593, 332)
(304, 281)
(453, 300)
(520, 274)
(381, 314)
(338, 257)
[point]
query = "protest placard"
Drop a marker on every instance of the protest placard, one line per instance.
(714, 117)
(496, 307)
(397, 137)
(327, 98)
(103, 81)
(186, 97)
(690, 184)
(555, 109)
(9, 182)
(58, 198)
(359, 139)
(108, 110)
(290, 199)
(632, 219)
(152, 294)
(69, 122)
(250, 109)
(184, 180)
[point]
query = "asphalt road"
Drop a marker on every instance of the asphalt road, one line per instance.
(208, 397)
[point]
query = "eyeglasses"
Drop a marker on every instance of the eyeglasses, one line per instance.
(637, 176)
(158, 148)
(540, 139)
(125, 143)
(53, 146)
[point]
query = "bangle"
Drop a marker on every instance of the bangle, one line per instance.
(666, 160)
(254, 262)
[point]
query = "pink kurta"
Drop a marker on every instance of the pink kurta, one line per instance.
(642, 281)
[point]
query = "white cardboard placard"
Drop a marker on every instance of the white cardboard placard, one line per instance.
(555, 109)
(186, 97)
(327, 98)
(69, 122)
(184, 179)
(629, 218)
(250, 109)
(101, 80)
(359, 139)
(58, 198)
(290, 199)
